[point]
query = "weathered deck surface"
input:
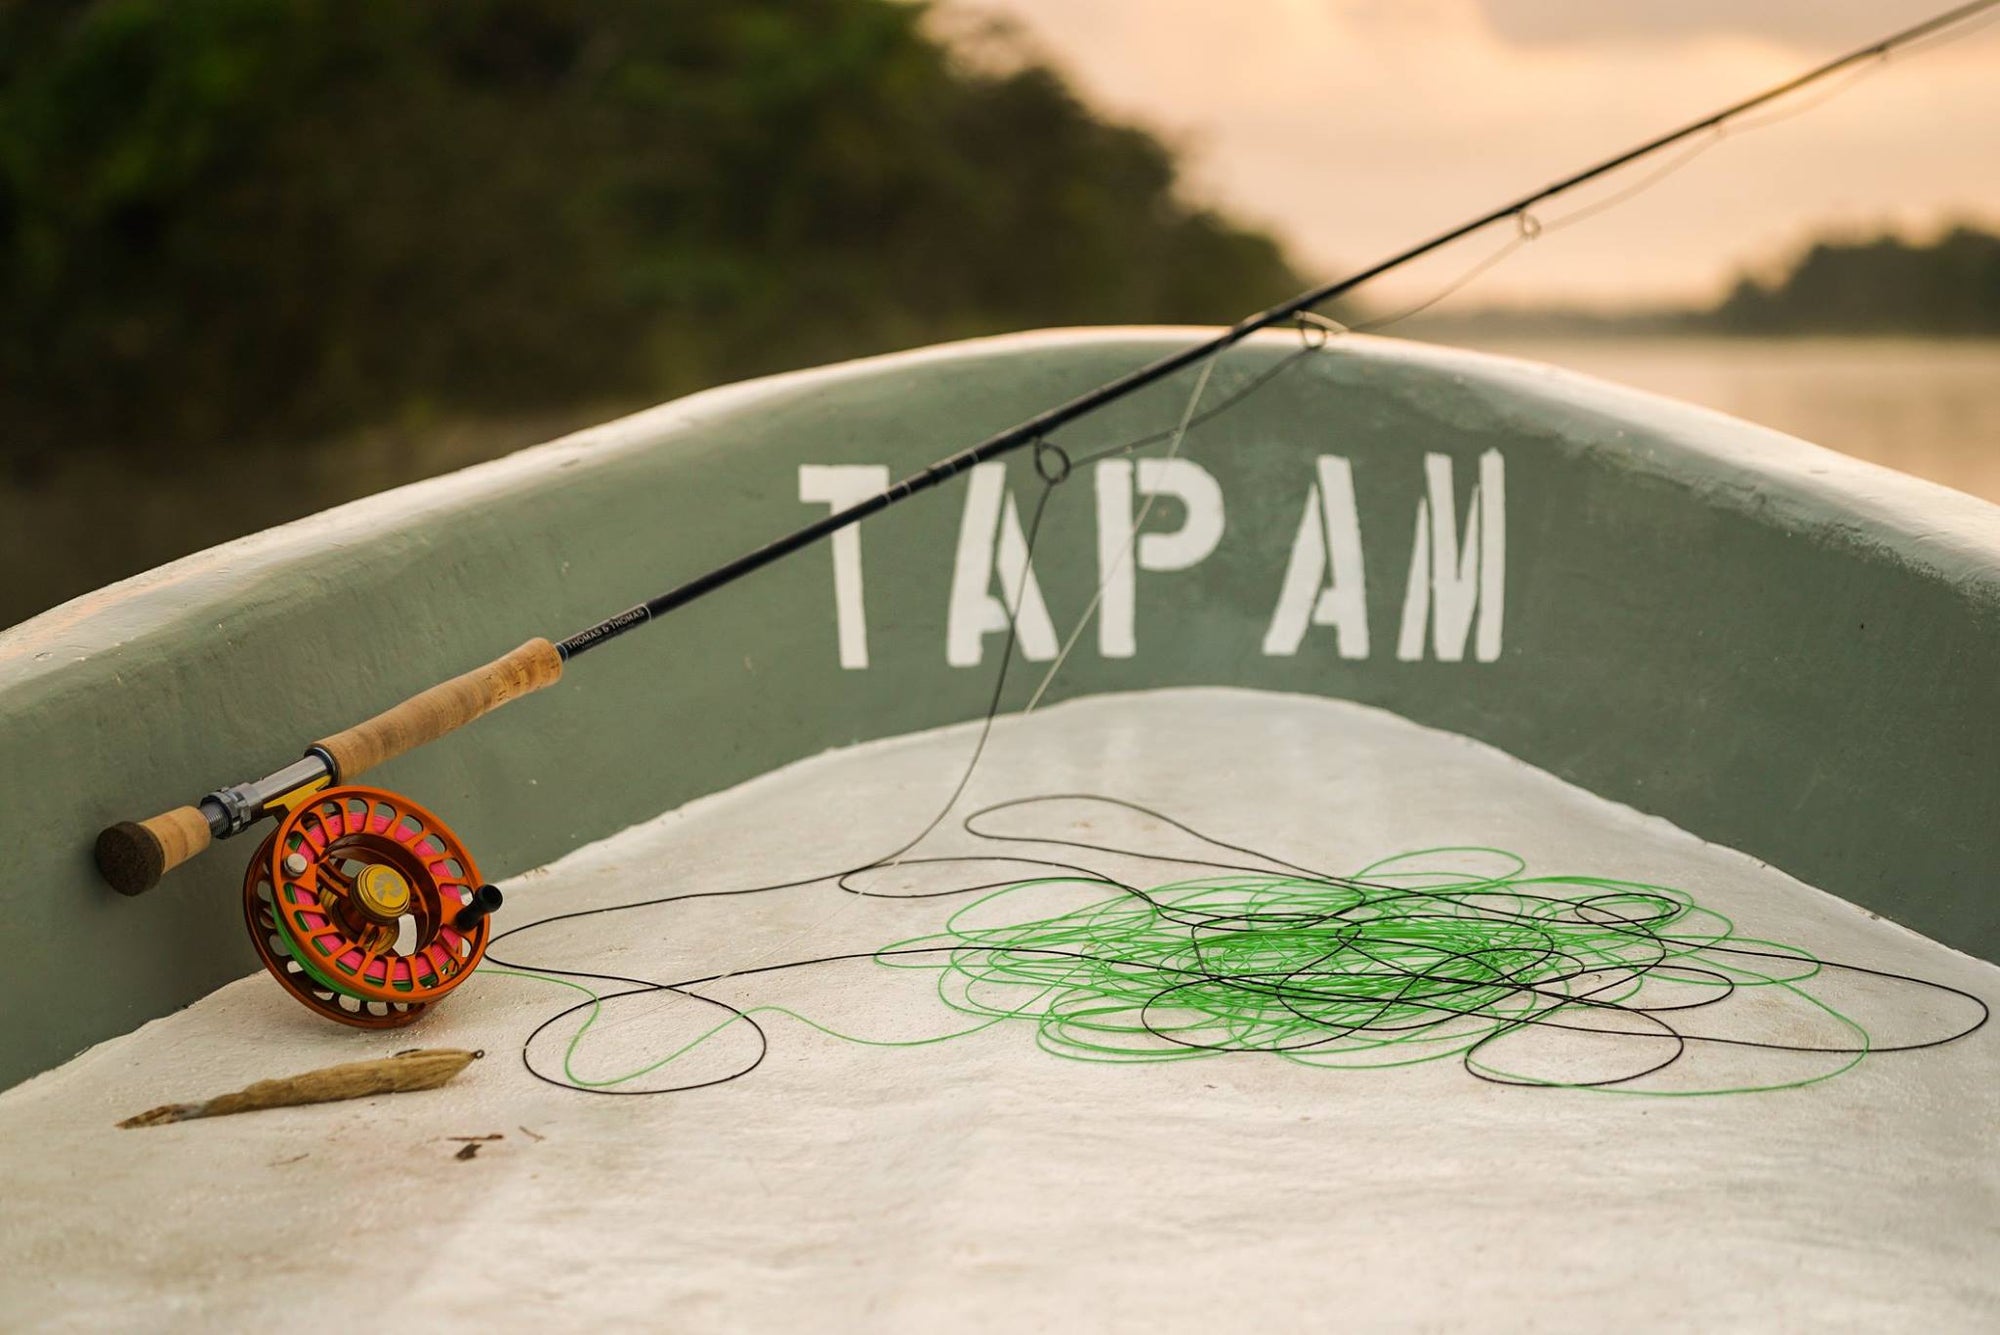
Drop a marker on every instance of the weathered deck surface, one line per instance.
(983, 1184)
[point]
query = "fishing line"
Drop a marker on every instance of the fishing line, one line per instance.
(1052, 475)
(891, 858)
(1481, 976)
(1531, 228)
(1399, 964)
(133, 855)
(1053, 467)
(1223, 405)
(1130, 549)
(1522, 236)
(1043, 426)
(1409, 961)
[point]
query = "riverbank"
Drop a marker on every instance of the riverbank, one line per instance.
(1925, 406)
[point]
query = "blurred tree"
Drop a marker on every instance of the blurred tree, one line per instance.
(230, 222)
(1883, 286)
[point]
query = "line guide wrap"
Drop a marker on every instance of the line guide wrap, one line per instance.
(367, 908)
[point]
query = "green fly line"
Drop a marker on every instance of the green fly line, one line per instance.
(1442, 954)
(1412, 960)
(1578, 982)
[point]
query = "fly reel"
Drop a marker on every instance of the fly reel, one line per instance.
(366, 907)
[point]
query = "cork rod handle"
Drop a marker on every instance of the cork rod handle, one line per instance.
(134, 855)
(447, 706)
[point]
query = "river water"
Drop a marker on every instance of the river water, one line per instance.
(1929, 407)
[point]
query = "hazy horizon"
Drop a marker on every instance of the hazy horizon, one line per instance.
(1352, 127)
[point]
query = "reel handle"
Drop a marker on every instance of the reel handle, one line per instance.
(445, 707)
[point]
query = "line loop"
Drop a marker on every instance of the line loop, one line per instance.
(1046, 450)
(1315, 329)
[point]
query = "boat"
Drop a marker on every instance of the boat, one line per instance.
(1377, 596)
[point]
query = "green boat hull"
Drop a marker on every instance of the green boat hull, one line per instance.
(1776, 648)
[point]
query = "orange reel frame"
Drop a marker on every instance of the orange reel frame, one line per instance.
(340, 934)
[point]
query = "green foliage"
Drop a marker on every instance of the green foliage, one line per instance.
(1884, 286)
(240, 221)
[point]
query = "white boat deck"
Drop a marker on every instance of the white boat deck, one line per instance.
(983, 1183)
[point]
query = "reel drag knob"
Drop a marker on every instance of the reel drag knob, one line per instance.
(366, 908)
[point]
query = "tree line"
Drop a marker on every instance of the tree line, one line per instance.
(239, 222)
(1887, 285)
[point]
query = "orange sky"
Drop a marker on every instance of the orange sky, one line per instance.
(1353, 127)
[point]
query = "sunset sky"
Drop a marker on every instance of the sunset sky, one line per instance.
(1353, 127)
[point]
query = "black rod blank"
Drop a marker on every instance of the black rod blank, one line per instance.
(1042, 424)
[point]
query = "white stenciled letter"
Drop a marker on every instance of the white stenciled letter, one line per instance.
(838, 486)
(1117, 560)
(1450, 577)
(991, 529)
(1324, 582)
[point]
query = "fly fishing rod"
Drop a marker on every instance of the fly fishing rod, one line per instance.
(367, 908)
